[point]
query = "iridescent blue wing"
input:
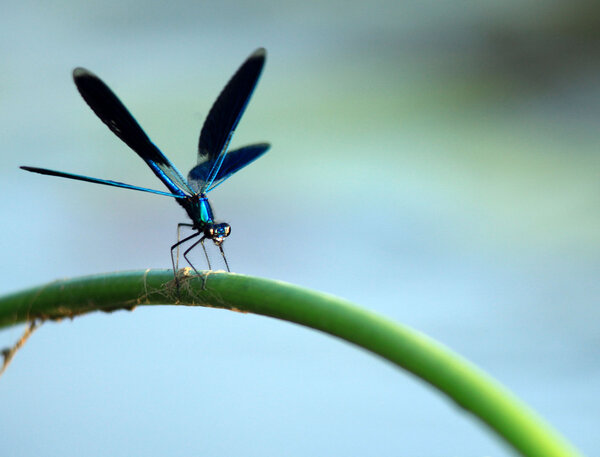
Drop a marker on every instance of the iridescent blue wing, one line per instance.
(232, 162)
(223, 118)
(107, 182)
(113, 113)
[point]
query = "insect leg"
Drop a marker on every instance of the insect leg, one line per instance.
(176, 246)
(185, 253)
(182, 224)
(224, 258)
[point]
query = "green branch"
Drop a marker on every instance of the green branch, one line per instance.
(458, 379)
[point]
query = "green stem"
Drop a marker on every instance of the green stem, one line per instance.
(470, 388)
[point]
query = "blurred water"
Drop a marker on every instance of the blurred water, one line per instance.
(435, 163)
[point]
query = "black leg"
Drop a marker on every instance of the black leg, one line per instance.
(176, 246)
(181, 224)
(205, 254)
(224, 258)
(185, 253)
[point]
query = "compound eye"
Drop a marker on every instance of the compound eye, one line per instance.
(209, 231)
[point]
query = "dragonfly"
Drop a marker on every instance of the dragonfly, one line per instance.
(216, 162)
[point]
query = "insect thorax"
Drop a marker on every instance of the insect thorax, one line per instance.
(199, 210)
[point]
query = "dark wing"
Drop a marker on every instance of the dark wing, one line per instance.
(107, 182)
(233, 161)
(225, 114)
(113, 113)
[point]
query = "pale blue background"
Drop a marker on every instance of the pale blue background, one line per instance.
(436, 163)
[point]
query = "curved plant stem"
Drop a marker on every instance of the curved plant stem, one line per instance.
(467, 386)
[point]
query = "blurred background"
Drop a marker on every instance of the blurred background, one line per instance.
(435, 163)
